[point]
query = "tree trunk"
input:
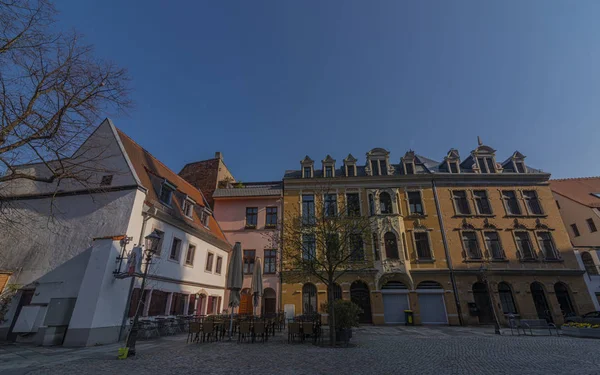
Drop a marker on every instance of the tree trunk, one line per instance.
(331, 312)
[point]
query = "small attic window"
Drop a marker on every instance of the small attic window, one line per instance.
(306, 172)
(519, 166)
(453, 166)
(204, 217)
(329, 171)
(106, 180)
(166, 193)
(188, 207)
(351, 170)
(409, 167)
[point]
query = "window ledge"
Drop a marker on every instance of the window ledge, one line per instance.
(415, 216)
(272, 226)
(485, 215)
(188, 265)
(553, 260)
(528, 260)
(464, 215)
(173, 260)
(424, 260)
(499, 260)
(474, 260)
(250, 227)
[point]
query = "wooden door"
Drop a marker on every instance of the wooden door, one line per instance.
(245, 304)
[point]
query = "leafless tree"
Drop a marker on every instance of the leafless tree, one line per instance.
(325, 243)
(53, 91)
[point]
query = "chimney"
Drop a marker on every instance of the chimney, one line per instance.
(218, 155)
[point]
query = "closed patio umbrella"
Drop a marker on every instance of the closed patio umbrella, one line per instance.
(257, 282)
(235, 279)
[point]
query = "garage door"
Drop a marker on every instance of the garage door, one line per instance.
(432, 309)
(394, 306)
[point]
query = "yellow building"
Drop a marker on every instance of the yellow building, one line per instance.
(443, 235)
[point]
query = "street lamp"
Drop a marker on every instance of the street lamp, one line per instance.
(151, 242)
(484, 278)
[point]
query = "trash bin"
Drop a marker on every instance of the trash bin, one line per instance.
(408, 318)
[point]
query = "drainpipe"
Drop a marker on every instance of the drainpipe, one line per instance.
(448, 259)
(280, 245)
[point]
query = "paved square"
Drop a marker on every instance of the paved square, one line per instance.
(377, 350)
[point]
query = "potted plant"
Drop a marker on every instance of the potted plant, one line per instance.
(345, 317)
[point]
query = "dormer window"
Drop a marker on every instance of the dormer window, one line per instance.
(453, 167)
(307, 167)
(452, 162)
(166, 192)
(328, 167)
(378, 168)
(204, 217)
(329, 171)
(350, 166)
(408, 162)
(409, 167)
(486, 165)
(377, 162)
(188, 207)
(520, 166)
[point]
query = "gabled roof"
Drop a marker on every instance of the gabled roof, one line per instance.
(146, 165)
(328, 159)
(580, 190)
(350, 159)
(306, 160)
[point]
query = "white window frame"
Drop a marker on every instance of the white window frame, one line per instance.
(178, 258)
(206, 264)
(420, 191)
(216, 263)
(169, 186)
(185, 261)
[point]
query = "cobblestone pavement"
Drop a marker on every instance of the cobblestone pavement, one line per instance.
(376, 350)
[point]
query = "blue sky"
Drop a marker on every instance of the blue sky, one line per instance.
(267, 82)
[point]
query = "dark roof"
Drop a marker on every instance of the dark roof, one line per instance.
(251, 189)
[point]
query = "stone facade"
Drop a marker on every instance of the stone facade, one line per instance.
(437, 251)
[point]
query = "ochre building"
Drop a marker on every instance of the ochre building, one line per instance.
(457, 241)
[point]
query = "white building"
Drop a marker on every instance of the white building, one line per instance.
(63, 253)
(578, 200)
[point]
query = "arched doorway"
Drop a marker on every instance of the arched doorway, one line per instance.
(564, 299)
(431, 303)
(395, 301)
(391, 245)
(540, 301)
(309, 298)
(506, 298)
(269, 301)
(482, 300)
(245, 303)
(359, 294)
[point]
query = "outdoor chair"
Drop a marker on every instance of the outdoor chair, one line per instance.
(259, 330)
(244, 331)
(293, 331)
(208, 330)
(308, 329)
(194, 332)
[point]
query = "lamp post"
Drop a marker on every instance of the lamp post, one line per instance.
(484, 278)
(151, 242)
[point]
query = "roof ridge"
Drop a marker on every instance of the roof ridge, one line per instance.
(574, 178)
(163, 164)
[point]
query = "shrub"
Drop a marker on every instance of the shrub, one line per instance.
(346, 313)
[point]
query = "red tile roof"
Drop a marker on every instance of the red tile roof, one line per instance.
(578, 189)
(145, 164)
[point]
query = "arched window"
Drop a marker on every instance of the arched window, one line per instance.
(309, 298)
(588, 263)
(394, 285)
(371, 205)
(429, 285)
(506, 298)
(391, 245)
(564, 300)
(385, 203)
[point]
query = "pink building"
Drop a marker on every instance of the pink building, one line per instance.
(249, 213)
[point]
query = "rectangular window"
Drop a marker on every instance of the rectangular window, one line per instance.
(204, 217)
(520, 166)
(271, 220)
(422, 245)
(547, 245)
(177, 304)
(453, 167)
(524, 245)
(166, 193)
(249, 256)
(486, 165)
(533, 203)
(374, 167)
(189, 256)
(591, 225)
(410, 168)
(575, 230)
(308, 210)
(353, 204)
(512, 205)
(270, 261)
(461, 202)
(383, 167)
(328, 171)
(209, 262)
(482, 202)
(356, 247)
(492, 241)
(160, 242)
(350, 169)
(307, 171)
(414, 203)
(471, 245)
(330, 204)
(175, 249)
(219, 265)
(188, 208)
(251, 217)
(309, 246)
(376, 246)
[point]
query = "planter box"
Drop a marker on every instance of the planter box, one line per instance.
(593, 333)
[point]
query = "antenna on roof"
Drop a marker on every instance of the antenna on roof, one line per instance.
(479, 141)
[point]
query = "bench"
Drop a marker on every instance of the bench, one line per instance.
(531, 324)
